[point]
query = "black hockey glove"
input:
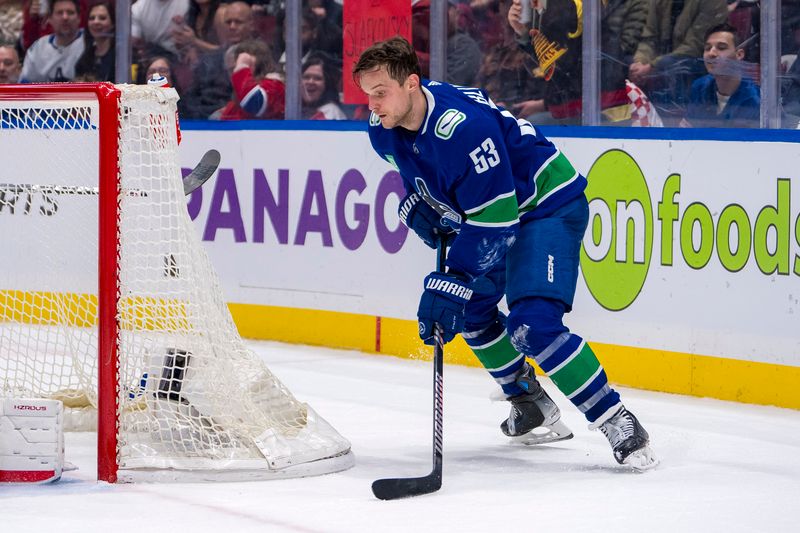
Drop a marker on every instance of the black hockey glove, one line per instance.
(417, 215)
(443, 303)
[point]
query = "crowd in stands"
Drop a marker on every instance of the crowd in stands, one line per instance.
(690, 63)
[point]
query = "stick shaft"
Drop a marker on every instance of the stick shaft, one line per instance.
(394, 488)
(438, 374)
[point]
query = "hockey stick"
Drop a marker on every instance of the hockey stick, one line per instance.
(199, 175)
(394, 488)
(196, 178)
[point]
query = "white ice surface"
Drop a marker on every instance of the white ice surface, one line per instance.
(726, 467)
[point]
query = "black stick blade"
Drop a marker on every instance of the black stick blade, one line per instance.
(396, 488)
(199, 175)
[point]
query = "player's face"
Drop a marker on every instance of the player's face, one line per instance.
(389, 100)
(720, 54)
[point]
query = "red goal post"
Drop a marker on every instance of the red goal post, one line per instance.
(147, 340)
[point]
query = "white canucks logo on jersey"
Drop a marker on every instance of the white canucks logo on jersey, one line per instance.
(447, 123)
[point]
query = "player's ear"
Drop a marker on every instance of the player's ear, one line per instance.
(412, 82)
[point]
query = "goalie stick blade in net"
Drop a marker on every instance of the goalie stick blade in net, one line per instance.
(199, 175)
(396, 488)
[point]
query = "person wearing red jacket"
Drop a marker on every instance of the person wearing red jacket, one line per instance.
(258, 91)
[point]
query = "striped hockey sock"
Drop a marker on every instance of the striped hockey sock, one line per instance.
(495, 352)
(574, 368)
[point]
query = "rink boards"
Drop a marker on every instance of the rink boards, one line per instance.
(689, 268)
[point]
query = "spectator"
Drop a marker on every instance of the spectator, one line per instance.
(320, 88)
(667, 58)
(790, 84)
(238, 23)
(723, 97)
(790, 19)
(35, 22)
(9, 64)
(556, 43)
(258, 89)
(560, 27)
(329, 27)
(489, 18)
(197, 32)
(10, 20)
(507, 73)
(463, 52)
(211, 83)
(310, 28)
(53, 57)
(268, 18)
(745, 17)
(153, 23)
(161, 65)
(421, 34)
(621, 30)
(97, 62)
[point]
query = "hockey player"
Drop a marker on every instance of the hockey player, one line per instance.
(514, 210)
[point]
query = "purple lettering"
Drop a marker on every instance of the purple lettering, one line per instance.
(278, 211)
(308, 222)
(352, 238)
(225, 186)
(391, 240)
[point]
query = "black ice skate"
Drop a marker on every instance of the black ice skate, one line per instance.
(629, 440)
(534, 417)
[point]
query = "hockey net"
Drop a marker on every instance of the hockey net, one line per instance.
(103, 280)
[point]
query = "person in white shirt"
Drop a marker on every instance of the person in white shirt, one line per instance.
(53, 57)
(153, 22)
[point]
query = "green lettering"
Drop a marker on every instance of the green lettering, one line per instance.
(733, 261)
(797, 240)
(779, 218)
(697, 257)
(668, 215)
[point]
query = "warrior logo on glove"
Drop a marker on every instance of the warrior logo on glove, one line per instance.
(442, 303)
(455, 288)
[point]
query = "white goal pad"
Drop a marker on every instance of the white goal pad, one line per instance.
(31, 440)
(109, 303)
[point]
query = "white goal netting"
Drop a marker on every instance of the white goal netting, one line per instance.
(191, 397)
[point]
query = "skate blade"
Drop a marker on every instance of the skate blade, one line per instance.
(544, 435)
(642, 460)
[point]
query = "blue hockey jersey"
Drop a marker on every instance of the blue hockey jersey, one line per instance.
(479, 167)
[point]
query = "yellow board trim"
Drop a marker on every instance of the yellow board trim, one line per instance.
(641, 368)
(46, 308)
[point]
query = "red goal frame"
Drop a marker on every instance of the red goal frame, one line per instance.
(107, 96)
